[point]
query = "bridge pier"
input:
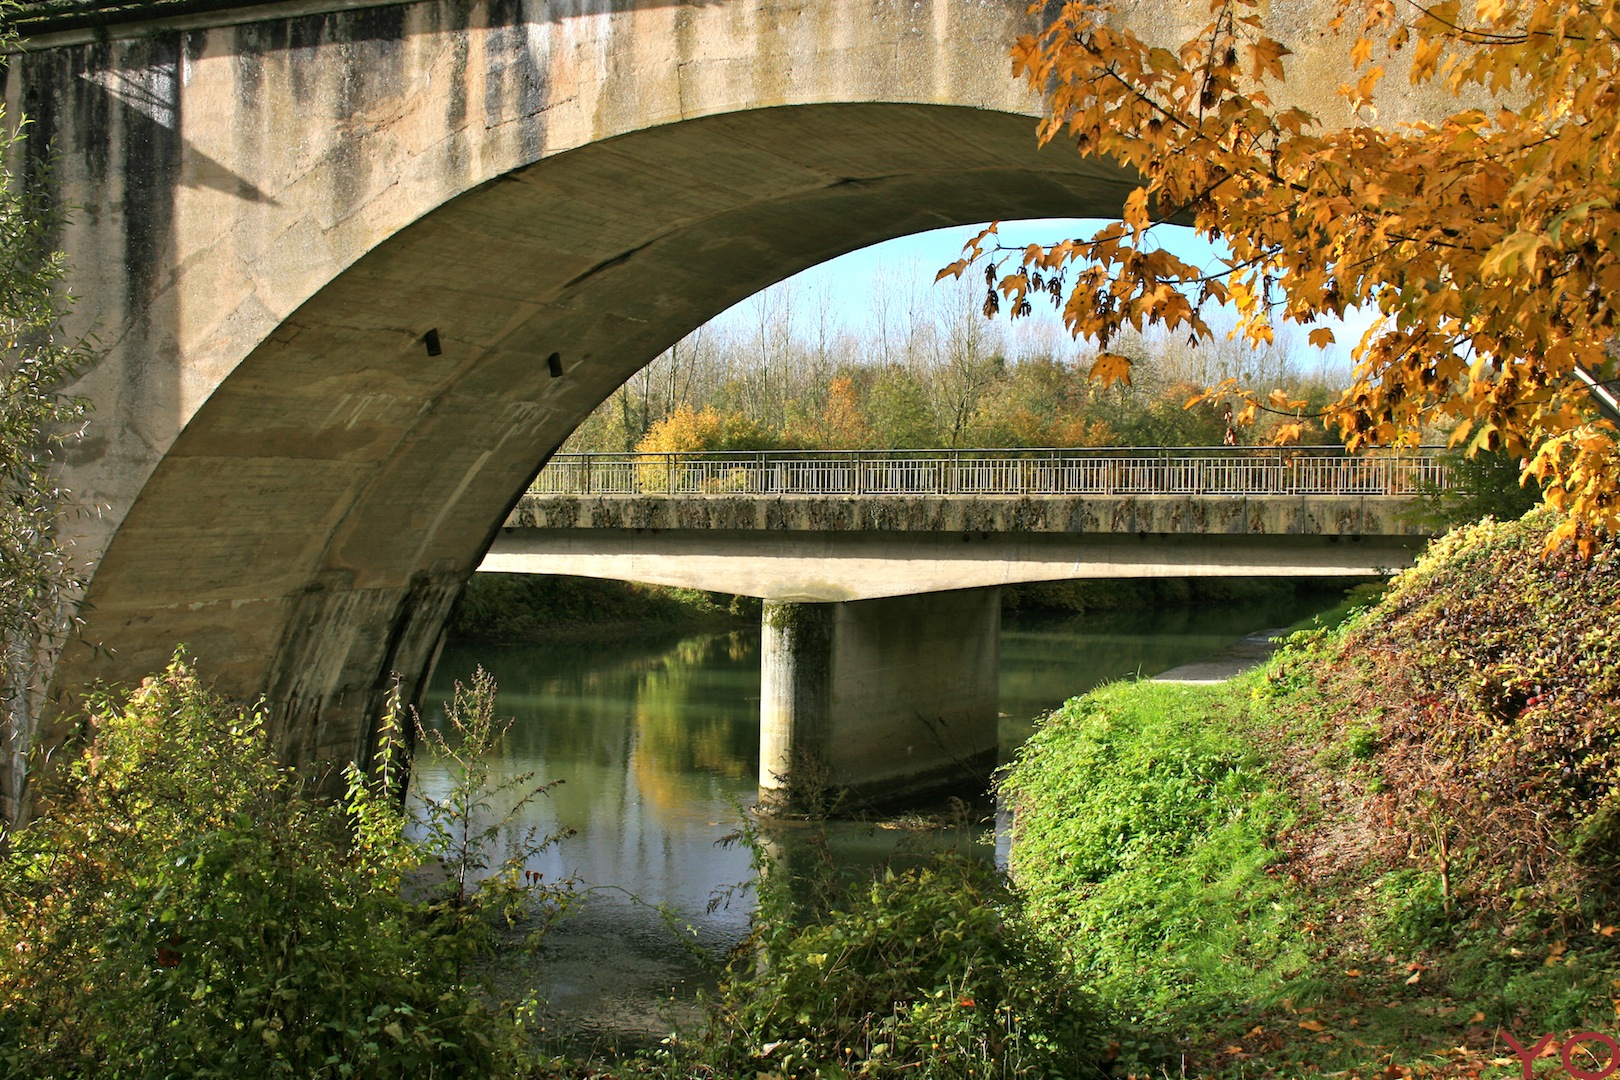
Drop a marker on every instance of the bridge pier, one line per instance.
(876, 702)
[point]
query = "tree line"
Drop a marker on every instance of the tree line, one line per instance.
(928, 370)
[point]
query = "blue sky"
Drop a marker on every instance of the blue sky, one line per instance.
(849, 279)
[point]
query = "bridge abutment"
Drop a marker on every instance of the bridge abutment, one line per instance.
(876, 702)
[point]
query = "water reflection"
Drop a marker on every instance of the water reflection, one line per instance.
(1048, 658)
(657, 744)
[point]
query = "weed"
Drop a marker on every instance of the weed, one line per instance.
(186, 905)
(926, 972)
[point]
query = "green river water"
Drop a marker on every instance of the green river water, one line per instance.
(656, 743)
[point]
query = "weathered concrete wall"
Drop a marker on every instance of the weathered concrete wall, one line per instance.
(278, 205)
(879, 701)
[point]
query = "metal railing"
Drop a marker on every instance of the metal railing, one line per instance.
(1220, 470)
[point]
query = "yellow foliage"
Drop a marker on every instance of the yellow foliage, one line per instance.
(682, 431)
(1489, 241)
(842, 424)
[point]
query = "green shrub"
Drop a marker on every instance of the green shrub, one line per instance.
(1414, 910)
(1488, 484)
(930, 972)
(183, 909)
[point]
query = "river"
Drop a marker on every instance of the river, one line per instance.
(656, 744)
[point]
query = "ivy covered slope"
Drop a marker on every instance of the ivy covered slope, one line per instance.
(1383, 854)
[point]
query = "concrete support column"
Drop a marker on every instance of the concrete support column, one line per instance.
(795, 672)
(876, 702)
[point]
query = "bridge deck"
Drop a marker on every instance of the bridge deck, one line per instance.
(839, 526)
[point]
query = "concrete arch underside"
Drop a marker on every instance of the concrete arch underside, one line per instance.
(310, 527)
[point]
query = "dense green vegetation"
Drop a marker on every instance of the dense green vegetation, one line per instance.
(929, 970)
(1390, 845)
(40, 575)
(1382, 854)
(1142, 830)
(1489, 484)
(1112, 594)
(183, 908)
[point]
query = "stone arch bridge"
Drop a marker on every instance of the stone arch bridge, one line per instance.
(357, 268)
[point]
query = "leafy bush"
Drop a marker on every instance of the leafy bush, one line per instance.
(929, 972)
(687, 429)
(184, 909)
(1492, 670)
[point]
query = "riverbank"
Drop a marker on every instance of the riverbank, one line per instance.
(656, 738)
(1380, 854)
(1247, 652)
(1393, 850)
(1253, 650)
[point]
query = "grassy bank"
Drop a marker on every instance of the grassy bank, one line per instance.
(1381, 855)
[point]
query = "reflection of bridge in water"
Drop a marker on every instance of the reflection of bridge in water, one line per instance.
(880, 569)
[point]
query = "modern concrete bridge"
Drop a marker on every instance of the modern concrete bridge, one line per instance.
(881, 571)
(356, 268)
(838, 526)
